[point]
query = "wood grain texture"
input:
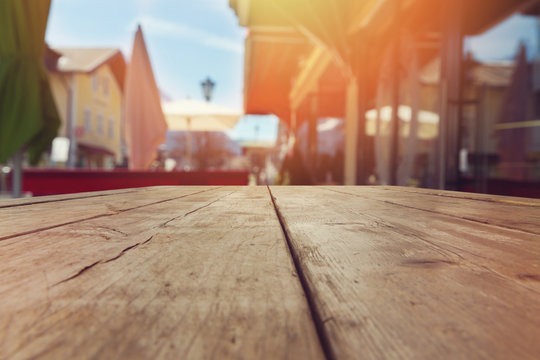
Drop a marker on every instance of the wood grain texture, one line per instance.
(28, 216)
(203, 276)
(395, 282)
(509, 252)
(463, 195)
(54, 198)
(509, 212)
(205, 272)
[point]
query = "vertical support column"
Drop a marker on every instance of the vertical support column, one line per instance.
(361, 83)
(450, 92)
(312, 134)
(71, 118)
(293, 121)
(291, 136)
(396, 75)
(351, 131)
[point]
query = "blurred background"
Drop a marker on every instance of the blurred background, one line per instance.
(297, 92)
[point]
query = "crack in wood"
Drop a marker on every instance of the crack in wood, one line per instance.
(192, 211)
(533, 277)
(79, 273)
(99, 216)
(112, 229)
(88, 267)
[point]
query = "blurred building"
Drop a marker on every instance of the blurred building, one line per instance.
(261, 157)
(209, 150)
(87, 85)
(431, 93)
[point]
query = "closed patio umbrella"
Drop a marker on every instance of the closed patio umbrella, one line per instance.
(145, 124)
(28, 115)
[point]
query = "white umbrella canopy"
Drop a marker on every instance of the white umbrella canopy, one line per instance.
(194, 115)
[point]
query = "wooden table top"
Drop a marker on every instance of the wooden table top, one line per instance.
(270, 273)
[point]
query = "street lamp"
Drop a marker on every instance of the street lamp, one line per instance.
(208, 88)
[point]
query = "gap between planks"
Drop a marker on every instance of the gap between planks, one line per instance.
(203, 318)
(318, 321)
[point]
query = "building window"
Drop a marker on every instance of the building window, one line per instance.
(87, 121)
(105, 86)
(100, 124)
(111, 128)
(95, 82)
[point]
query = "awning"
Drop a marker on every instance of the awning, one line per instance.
(282, 35)
(271, 61)
(324, 22)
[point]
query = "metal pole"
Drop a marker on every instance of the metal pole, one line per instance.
(70, 123)
(17, 174)
(189, 142)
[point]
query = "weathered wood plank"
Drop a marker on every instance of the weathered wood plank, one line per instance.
(20, 219)
(509, 252)
(53, 198)
(79, 245)
(466, 195)
(515, 213)
(205, 276)
(395, 282)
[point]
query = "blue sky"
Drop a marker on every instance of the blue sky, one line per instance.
(501, 42)
(187, 40)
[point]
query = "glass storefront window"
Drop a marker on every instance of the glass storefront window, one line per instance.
(500, 134)
(418, 113)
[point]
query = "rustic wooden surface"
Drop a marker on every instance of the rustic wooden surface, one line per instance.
(279, 272)
(394, 281)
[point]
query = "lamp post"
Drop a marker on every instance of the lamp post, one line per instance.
(208, 88)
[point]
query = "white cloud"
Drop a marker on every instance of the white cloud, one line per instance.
(160, 27)
(143, 6)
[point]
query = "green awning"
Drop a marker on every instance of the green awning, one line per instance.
(28, 115)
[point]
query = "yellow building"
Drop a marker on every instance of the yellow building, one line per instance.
(87, 85)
